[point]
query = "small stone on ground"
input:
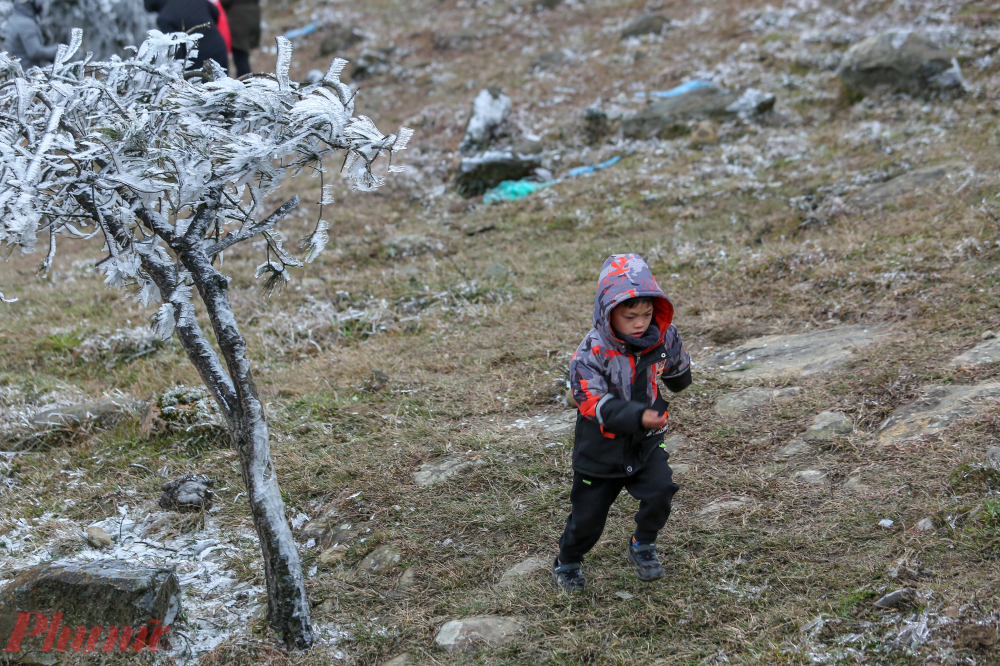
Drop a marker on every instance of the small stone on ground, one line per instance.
(439, 470)
(191, 492)
(828, 426)
(381, 560)
(939, 408)
(522, 569)
(982, 354)
(98, 538)
(473, 632)
(812, 476)
(792, 448)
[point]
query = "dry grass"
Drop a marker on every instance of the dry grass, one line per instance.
(740, 585)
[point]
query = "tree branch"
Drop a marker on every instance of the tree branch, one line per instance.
(245, 233)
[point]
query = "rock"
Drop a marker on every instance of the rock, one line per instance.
(897, 599)
(473, 632)
(597, 124)
(339, 39)
(103, 593)
(720, 505)
(332, 555)
(803, 354)
(522, 569)
(552, 60)
(665, 118)
(647, 24)
(191, 492)
(925, 524)
(381, 560)
(408, 580)
(102, 413)
(812, 476)
(982, 354)
(938, 409)
(481, 172)
(855, 483)
(673, 442)
(979, 637)
(411, 245)
(550, 425)
(98, 538)
(705, 133)
(372, 62)
(399, 660)
(188, 412)
(489, 113)
(496, 272)
(988, 335)
(624, 595)
(734, 404)
(439, 470)
(462, 40)
(680, 468)
(993, 457)
(828, 426)
(901, 60)
(792, 448)
(904, 184)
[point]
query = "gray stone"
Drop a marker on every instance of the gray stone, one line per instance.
(705, 133)
(102, 413)
(993, 457)
(667, 118)
(463, 40)
(674, 442)
(339, 39)
(381, 560)
(982, 354)
(489, 112)
(855, 483)
(828, 426)
(897, 598)
(734, 404)
(925, 524)
(372, 62)
(411, 245)
(901, 60)
(473, 632)
(792, 448)
(680, 468)
(988, 335)
(803, 354)
(721, 505)
(400, 660)
(496, 272)
(329, 530)
(98, 538)
(104, 593)
(483, 171)
(439, 470)
(904, 184)
(624, 595)
(552, 60)
(522, 569)
(191, 492)
(647, 24)
(408, 580)
(811, 476)
(938, 409)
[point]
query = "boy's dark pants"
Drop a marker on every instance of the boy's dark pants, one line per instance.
(653, 486)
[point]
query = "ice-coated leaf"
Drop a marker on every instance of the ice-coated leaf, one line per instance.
(284, 61)
(316, 241)
(65, 52)
(402, 138)
(164, 321)
(327, 198)
(333, 73)
(397, 169)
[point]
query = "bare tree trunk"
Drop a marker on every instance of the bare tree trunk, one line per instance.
(236, 394)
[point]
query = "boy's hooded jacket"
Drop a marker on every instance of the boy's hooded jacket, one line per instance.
(24, 37)
(613, 381)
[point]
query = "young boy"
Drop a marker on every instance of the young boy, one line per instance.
(622, 417)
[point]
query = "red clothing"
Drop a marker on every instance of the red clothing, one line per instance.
(223, 26)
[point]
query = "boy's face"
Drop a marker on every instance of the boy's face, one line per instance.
(632, 321)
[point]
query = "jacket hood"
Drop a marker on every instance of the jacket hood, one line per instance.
(25, 9)
(626, 276)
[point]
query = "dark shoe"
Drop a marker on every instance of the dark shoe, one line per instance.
(643, 558)
(568, 576)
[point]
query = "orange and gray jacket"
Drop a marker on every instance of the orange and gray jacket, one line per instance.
(613, 382)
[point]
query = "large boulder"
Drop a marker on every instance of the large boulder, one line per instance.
(55, 600)
(667, 118)
(489, 113)
(478, 173)
(903, 61)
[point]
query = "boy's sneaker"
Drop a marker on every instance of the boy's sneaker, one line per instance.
(643, 558)
(569, 576)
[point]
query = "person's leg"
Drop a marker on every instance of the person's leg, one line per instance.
(242, 61)
(654, 487)
(591, 499)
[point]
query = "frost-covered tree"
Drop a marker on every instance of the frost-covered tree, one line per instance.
(170, 170)
(109, 26)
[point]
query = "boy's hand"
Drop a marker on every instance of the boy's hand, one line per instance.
(653, 420)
